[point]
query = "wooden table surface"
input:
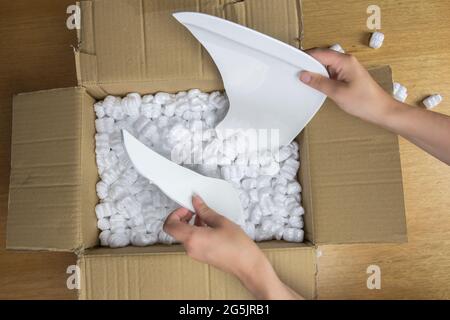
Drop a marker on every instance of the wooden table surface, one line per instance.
(417, 46)
(35, 54)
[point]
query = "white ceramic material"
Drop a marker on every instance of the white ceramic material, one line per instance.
(179, 183)
(260, 76)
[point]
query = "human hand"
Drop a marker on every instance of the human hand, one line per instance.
(349, 85)
(354, 90)
(215, 240)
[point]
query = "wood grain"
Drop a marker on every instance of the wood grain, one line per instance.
(417, 46)
(35, 54)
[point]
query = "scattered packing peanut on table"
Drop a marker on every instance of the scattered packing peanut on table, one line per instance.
(376, 40)
(400, 92)
(337, 47)
(432, 101)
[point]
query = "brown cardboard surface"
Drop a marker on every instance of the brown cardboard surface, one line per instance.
(352, 174)
(134, 273)
(142, 276)
(295, 266)
(51, 198)
(136, 45)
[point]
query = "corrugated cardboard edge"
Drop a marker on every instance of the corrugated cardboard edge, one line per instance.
(88, 232)
(304, 177)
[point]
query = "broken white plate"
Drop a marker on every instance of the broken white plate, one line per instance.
(180, 184)
(260, 76)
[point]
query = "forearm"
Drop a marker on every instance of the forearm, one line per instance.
(428, 130)
(262, 281)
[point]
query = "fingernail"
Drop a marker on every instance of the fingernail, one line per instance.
(197, 197)
(305, 77)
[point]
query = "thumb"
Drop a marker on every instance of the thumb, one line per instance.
(321, 83)
(206, 214)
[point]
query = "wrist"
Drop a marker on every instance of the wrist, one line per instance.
(392, 111)
(385, 111)
(260, 279)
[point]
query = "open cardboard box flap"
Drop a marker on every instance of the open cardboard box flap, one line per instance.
(350, 170)
(351, 176)
(53, 172)
(155, 273)
(161, 55)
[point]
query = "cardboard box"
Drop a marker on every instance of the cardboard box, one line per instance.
(350, 170)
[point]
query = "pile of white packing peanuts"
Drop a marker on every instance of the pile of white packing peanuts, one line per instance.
(132, 210)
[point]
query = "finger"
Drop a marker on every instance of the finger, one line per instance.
(182, 214)
(206, 214)
(187, 217)
(198, 221)
(176, 224)
(326, 85)
(326, 57)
